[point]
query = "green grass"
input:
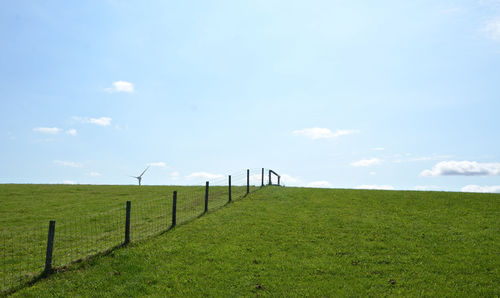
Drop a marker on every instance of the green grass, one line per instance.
(89, 220)
(316, 242)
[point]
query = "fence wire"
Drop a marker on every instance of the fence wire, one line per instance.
(23, 250)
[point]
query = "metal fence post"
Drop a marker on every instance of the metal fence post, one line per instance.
(279, 177)
(229, 188)
(206, 196)
(174, 209)
(269, 177)
(127, 223)
(262, 183)
(50, 247)
(248, 181)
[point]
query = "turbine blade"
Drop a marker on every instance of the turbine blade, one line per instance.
(144, 171)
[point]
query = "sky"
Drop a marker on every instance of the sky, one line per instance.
(342, 94)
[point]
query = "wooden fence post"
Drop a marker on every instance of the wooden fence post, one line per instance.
(206, 196)
(127, 223)
(174, 209)
(229, 188)
(262, 183)
(248, 181)
(50, 247)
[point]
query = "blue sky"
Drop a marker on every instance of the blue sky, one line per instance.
(354, 94)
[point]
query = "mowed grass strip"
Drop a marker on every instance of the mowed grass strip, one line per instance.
(317, 242)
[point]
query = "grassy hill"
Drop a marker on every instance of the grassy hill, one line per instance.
(298, 241)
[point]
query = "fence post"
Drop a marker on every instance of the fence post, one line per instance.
(174, 209)
(279, 177)
(229, 188)
(127, 224)
(206, 196)
(262, 183)
(50, 247)
(248, 181)
(269, 177)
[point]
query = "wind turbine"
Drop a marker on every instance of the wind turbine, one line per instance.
(139, 178)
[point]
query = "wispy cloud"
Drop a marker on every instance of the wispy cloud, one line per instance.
(383, 187)
(69, 182)
(70, 164)
(379, 149)
(175, 175)
(366, 162)
(493, 4)
(462, 168)
(95, 174)
(204, 175)
(120, 86)
(492, 29)
(319, 184)
(159, 164)
(478, 188)
(71, 132)
(322, 133)
(47, 130)
(101, 121)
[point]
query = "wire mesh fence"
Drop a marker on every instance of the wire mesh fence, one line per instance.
(20, 253)
(24, 250)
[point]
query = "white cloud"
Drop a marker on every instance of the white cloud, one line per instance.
(121, 86)
(69, 182)
(70, 164)
(160, 164)
(373, 173)
(379, 149)
(492, 29)
(322, 133)
(319, 184)
(426, 187)
(175, 175)
(478, 188)
(289, 180)
(366, 162)
(72, 132)
(102, 121)
(204, 175)
(95, 174)
(462, 168)
(47, 130)
(384, 187)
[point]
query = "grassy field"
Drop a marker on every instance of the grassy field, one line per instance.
(89, 220)
(296, 242)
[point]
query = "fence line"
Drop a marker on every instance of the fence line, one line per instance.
(29, 255)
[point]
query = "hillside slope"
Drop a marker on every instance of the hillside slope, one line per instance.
(318, 242)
